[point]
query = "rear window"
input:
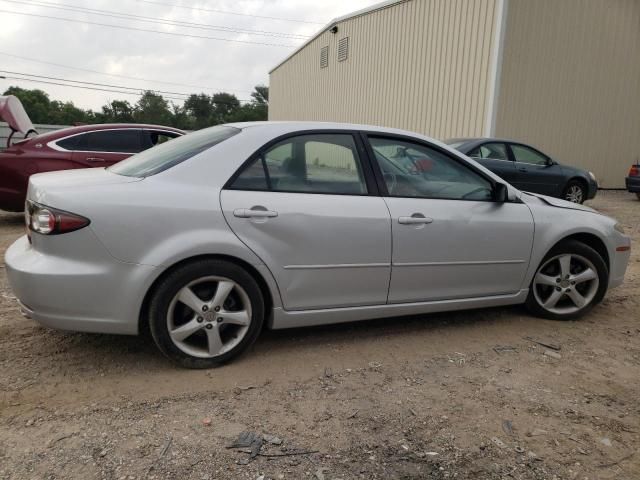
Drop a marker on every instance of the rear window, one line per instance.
(166, 155)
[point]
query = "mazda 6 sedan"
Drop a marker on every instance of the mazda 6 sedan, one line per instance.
(529, 169)
(209, 238)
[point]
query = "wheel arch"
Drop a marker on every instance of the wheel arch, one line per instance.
(591, 240)
(268, 295)
(577, 178)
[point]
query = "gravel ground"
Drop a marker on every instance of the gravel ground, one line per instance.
(463, 395)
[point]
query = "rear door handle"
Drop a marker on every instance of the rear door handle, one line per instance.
(522, 169)
(415, 219)
(95, 159)
(251, 213)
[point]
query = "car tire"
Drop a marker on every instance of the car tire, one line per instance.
(205, 313)
(575, 192)
(638, 195)
(555, 296)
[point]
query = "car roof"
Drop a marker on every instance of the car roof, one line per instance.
(283, 127)
(55, 134)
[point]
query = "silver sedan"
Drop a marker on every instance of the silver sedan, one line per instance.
(208, 238)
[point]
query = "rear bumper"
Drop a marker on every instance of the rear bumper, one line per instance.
(95, 294)
(592, 190)
(633, 184)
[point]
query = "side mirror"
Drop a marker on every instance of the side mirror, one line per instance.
(500, 193)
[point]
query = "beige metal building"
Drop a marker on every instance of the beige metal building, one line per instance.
(563, 75)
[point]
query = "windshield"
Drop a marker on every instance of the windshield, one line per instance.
(168, 154)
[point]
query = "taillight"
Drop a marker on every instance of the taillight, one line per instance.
(51, 221)
(634, 171)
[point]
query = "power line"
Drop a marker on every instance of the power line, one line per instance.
(156, 20)
(91, 83)
(84, 87)
(226, 12)
(122, 27)
(117, 75)
(100, 84)
(36, 80)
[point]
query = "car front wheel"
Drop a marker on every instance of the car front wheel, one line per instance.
(205, 313)
(575, 192)
(571, 279)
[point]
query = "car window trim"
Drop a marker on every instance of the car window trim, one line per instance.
(53, 144)
(365, 163)
(382, 186)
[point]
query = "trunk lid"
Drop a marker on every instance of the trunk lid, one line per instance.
(67, 188)
(12, 112)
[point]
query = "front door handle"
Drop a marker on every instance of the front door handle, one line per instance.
(415, 219)
(254, 213)
(95, 159)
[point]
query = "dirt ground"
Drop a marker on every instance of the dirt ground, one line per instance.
(464, 395)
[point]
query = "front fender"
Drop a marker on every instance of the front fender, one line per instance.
(553, 224)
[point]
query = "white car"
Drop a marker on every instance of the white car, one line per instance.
(213, 236)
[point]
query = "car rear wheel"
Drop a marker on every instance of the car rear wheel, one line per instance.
(571, 279)
(206, 313)
(638, 195)
(575, 192)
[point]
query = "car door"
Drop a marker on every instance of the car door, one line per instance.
(450, 239)
(495, 157)
(307, 207)
(535, 172)
(102, 148)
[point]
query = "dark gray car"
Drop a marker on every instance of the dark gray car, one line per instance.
(528, 169)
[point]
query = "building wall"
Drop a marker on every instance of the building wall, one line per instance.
(570, 82)
(421, 65)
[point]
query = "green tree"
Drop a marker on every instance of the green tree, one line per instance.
(260, 95)
(180, 118)
(224, 105)
(66, 113)
(118, 111)
(152, 108)
(201, 108)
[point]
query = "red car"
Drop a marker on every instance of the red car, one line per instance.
(73, 147)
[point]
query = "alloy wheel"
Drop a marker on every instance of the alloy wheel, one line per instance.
(209, 316)
(565, 284)
(574, 194)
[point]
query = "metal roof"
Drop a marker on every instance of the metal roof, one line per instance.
(364, 11)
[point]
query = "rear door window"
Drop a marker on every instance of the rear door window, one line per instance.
(112, 141)
(316, 163)
(493, 151)
(70, 142)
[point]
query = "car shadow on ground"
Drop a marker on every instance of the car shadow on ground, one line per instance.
(11, 218)
(139, 352)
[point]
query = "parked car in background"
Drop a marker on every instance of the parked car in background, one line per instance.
(74, 147)
(289, 224)
(528, 169)
(633, 179)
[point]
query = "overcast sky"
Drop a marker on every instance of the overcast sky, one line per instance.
(211, 65)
